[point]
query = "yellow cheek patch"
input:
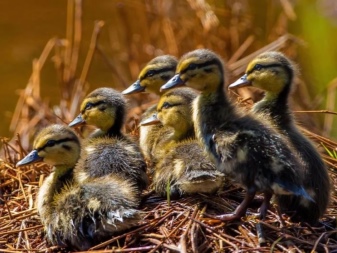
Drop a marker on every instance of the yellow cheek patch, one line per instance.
(268, 81)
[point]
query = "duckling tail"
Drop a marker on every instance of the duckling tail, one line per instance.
(283, 188)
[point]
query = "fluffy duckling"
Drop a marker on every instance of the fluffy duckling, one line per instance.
(156, 72)
(244, 148)
(73, 215)
(108, 151)
(274, 73)
(182, 164)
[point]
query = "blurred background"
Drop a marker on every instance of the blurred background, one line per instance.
(53, 52)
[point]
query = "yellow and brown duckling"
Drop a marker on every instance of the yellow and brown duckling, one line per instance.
(182, 165)
(274, 73)
(244, 148)
(108, 150)
(74, 215)
(156, 72)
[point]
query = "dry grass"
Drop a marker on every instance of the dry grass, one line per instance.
(180, 225)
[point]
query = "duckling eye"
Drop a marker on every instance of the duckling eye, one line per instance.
(88, 106)
(150, 73)
(50, 143)
(192, 66)
(166, 105)
(258, 67)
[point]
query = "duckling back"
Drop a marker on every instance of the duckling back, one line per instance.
(104, 156)
(87, 214)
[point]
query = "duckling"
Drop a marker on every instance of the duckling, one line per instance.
(274, 73)
(183, 164)
(244, 148)
(108, 150)
(152, 76)
(73, 215)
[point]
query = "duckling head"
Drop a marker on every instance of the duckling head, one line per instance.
(200, 69)
(270, 71)
(157, 72)
(103, 108)
(56, 145)
(175, 110)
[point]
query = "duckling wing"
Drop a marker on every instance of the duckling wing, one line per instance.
(188, 170)
(258, 158)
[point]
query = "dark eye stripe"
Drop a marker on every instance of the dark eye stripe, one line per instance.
(156, 71)
(265, 67)
(203, 64)
(168, 105)
(94, 105)
(58, 142)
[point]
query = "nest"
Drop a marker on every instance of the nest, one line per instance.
(181, 225)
